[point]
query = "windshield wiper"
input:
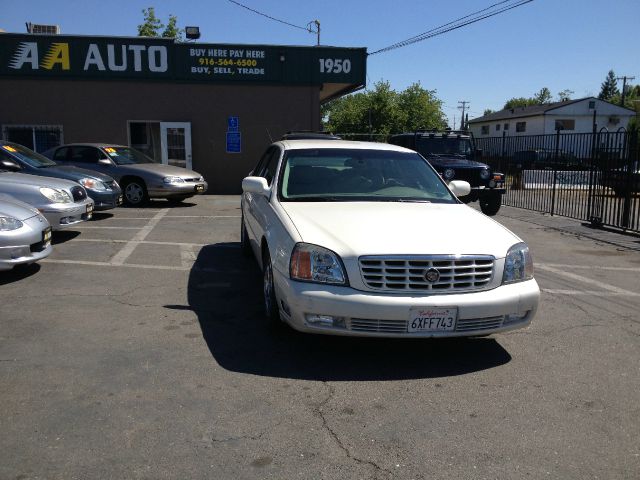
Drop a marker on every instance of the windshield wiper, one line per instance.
(409, 200)
(316, 199)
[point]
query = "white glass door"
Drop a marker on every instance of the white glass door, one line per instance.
(175, 141)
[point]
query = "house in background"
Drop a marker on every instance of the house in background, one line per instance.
(571, 116)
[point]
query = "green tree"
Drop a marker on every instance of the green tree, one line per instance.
(543, 96)
(385, 111)
(172, 30)
(609, 87)
(519, 102)
(487, 111)
(630, 99)
(565, 95)
(152, 26)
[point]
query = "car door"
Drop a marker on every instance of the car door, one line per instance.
(256, 207)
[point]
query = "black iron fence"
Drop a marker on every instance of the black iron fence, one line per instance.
(587, 176)
(593, 177)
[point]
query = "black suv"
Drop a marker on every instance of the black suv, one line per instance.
(453, 154)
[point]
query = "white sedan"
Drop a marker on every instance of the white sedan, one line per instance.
(366, 239)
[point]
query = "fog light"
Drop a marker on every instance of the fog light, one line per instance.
(516, 317)
(324, 321)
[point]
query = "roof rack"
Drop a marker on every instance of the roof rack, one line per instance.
(310, 135)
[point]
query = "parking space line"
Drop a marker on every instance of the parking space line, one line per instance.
(111, 264)
(147, 242)
(588, 267)
(87, 227)
(187, 256)
(610, 289)
(120, 257)
(591, 293)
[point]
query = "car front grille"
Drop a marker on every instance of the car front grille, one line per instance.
(401, 274)
(192, 180)
(78, 193)
(400, 326)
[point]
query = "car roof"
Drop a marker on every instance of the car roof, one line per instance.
(91, 144)
(340, 144)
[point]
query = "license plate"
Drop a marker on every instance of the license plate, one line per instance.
(199, 188)
(89, 211)
(46, 236)
(432, 319)
(120, 200)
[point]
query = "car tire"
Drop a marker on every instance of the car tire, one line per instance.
(245, 246)
(135, 193)
(490, 204)
(271, 310)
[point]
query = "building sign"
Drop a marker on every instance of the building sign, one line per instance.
(163, 59)
(234, 142)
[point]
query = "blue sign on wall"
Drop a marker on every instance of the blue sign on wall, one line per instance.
(234, 142)
(233, 124)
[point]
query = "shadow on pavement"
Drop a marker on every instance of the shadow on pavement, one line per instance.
(63, 236)
(97, 216)
(18, 273)
(225, 291)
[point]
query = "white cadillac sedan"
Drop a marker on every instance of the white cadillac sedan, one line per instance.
(366, 239)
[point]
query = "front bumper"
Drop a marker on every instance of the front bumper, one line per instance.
(24, 245)
(177, 190)
(106, 200)
(64, 215)
(507, 307)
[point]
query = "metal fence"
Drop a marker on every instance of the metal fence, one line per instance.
(587, 176)
(593, 177)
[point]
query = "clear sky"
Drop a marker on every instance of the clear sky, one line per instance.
(559, 44)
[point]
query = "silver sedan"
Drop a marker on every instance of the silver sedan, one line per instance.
(25, 235)
(63, 203)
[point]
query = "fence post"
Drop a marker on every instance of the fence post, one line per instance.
(592, 167)
(630, 147)
(555, 172)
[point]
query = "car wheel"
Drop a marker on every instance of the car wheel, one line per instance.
(490, 204)
(245, 246)
(271, 311)
(135, 193)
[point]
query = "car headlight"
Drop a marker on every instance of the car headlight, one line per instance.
(173, 180)
(484, 174)
(311, 263)
(9, 223)
(92, 184)
(518, 264)
(56, 196)
(201, 179)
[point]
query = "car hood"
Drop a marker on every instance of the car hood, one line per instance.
(72, 173)
(352, 229)
(13, 207)
(37, 180)
(160, 169)
(453, 162)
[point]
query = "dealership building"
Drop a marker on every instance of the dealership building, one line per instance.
(210, 107)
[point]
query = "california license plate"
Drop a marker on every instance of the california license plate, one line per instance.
(46, 236)
(120, 200)
(89, 211)
(199, 188)
(432, 319)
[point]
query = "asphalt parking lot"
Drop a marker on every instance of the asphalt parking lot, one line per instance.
(138, 351)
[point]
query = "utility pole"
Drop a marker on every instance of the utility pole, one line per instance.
(624, 87)
(317, 30)
(463, 105)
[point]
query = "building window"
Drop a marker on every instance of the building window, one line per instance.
(565, 125)
(497, 127)
(36, 137)
(506, 126)
(484, 130)
(521, 127)
(592, 104)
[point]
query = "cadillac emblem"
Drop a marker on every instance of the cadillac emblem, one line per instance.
(432, 275)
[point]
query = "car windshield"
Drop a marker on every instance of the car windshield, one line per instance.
(126, 155)
(340, 174)
(443, 146)
(28, 156)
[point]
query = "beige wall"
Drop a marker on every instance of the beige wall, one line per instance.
(97, 111)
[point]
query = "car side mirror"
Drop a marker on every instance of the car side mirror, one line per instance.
(460, 188)
(256, 185)
(105, 161)
(10, 165)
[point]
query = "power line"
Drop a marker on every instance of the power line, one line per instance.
(453, 25)
(307, 28)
